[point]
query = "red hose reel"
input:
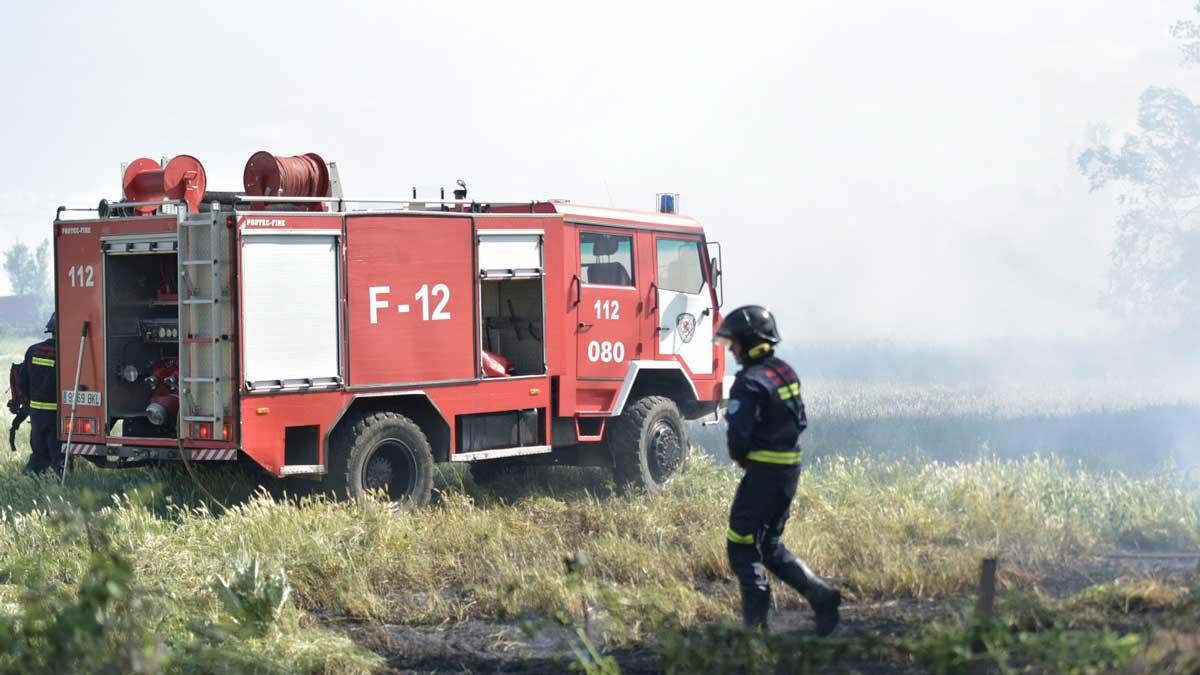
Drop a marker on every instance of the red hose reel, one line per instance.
(182, 178)
(265, 175)
(268, 175)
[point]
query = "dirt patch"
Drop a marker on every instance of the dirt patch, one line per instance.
(486, 646)
(481, 647)
(1061, 580)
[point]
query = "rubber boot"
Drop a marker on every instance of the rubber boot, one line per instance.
(823, 598)
(755, 604)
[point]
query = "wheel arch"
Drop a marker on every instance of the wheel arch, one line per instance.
(657, 378)
(415, 405)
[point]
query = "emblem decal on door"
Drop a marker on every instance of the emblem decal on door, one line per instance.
(685, 324)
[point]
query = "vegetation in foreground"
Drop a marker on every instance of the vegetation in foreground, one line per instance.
(145, 562)
(134, 571)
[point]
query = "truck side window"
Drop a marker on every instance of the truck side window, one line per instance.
(679, 267)
(606, 258)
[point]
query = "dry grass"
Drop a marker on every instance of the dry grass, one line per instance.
(658, 561)
(1129, 596)
(885, 527)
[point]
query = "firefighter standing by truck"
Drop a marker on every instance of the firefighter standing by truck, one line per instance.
(38, 379)
(765, 418)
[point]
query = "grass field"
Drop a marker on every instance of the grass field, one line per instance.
(888, 530)
(133, 571)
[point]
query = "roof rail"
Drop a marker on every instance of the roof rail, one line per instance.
(113, 207)
(329, 200)
(289, 200)
(106, 208)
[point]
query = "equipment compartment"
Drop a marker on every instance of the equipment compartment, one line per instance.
(511, 314)
(490, 431)
(142, 343)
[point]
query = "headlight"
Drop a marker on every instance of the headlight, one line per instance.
(129, 373)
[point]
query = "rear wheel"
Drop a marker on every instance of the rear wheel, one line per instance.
(385, 452)
(649, 444)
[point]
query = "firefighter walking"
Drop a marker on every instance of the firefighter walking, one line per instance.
(765, 419)
(39, 381)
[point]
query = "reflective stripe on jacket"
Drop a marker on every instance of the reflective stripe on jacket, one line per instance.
(39, 377)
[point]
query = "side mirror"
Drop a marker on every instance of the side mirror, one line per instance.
(717, 275)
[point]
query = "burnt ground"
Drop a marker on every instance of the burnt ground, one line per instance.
(484, 646)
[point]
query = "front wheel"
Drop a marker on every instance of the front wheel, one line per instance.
(649, 444)
(386, 452)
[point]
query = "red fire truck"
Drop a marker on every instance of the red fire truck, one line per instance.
(355, 343)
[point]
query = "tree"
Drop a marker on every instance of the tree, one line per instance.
(1154, 281)
(29, 272)
(1188, 33)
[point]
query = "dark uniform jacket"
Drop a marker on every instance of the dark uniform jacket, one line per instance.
(766, 414)
(38, 378)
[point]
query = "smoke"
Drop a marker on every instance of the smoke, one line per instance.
(1109, 405)
(900, 188)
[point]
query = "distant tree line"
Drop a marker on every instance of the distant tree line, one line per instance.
(1154, 280)
(29, 274)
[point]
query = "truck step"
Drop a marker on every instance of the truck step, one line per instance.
(199, 418)
(199, 262)
(500, 452)
(200, 379)
(301, 469)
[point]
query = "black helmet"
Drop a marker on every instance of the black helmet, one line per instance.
(749, 326)
(52, 324)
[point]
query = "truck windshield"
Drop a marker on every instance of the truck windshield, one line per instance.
(679, 267)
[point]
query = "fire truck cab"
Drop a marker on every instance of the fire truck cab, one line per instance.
(355, 343)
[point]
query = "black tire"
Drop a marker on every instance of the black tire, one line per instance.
(649, 444)
(381, 451)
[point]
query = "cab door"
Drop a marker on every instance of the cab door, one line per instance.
(607, 330)
(684, 301)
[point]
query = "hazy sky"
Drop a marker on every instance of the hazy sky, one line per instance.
(872, 170)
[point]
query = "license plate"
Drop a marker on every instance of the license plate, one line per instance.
(86, 398)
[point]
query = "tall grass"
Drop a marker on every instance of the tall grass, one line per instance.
(658, 561)
(885, 527)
